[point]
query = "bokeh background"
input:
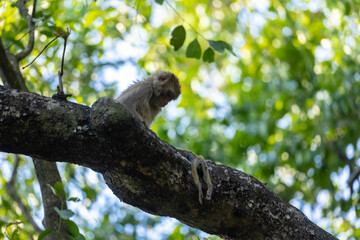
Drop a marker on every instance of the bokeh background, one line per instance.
(284, 106)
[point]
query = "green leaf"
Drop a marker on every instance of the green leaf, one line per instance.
(15, 235)
(347, 8)
(58, 189)
(220, 46)
(44, 233)
(176, 234)
(73, 228)
(208, 55)
(74, 231)
(178, 36)
(159, 1)
(193, 50)
(64, 214)
(90, 193)
(74, 199)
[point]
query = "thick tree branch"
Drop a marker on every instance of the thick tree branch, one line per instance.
(143, 170)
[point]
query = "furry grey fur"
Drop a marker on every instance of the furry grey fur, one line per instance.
(141, 97)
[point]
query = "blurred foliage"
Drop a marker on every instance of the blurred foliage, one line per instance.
(282, 104)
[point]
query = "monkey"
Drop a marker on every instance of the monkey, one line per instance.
(145, 99)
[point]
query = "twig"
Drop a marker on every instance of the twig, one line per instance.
(14, 223)
(339, 152)
(60, 95)
(353, 176)
(42, 51)
(353, 173)
(16, 165)
(17, 40)
(62, 67)
(184, 20)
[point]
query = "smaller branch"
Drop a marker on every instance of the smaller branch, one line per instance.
(34, 9)
(14, 223)
(62, 68)
(112, 63)
(353, 176)
(63, 56)
(11, 190)
(340, 153)
(42, 51)
(353, 173)
(60, 89)
(14, 174)
(21, 5)
(184, 20)
(17, 40)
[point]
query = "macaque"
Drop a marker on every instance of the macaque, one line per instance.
(145, 99)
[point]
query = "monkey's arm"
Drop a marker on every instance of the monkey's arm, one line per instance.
(195, 162)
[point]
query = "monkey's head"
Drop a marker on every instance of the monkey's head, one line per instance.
(166, 87)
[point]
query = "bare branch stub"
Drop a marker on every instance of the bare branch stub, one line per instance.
(60, 95)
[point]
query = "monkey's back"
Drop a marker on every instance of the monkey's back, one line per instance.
(136, 99)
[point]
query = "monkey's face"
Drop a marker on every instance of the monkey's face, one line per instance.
(166, 88)
(165, 98)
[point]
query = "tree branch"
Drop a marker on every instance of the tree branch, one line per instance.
(9, 70)
(11, 190)
(31, 24)
(47, 173)
(354, 173)
(144, 171)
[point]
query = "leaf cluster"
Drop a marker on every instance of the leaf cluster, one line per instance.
(193, 50)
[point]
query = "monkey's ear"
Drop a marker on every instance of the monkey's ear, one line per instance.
(162, 77)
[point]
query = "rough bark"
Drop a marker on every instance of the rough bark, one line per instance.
(144, 171)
